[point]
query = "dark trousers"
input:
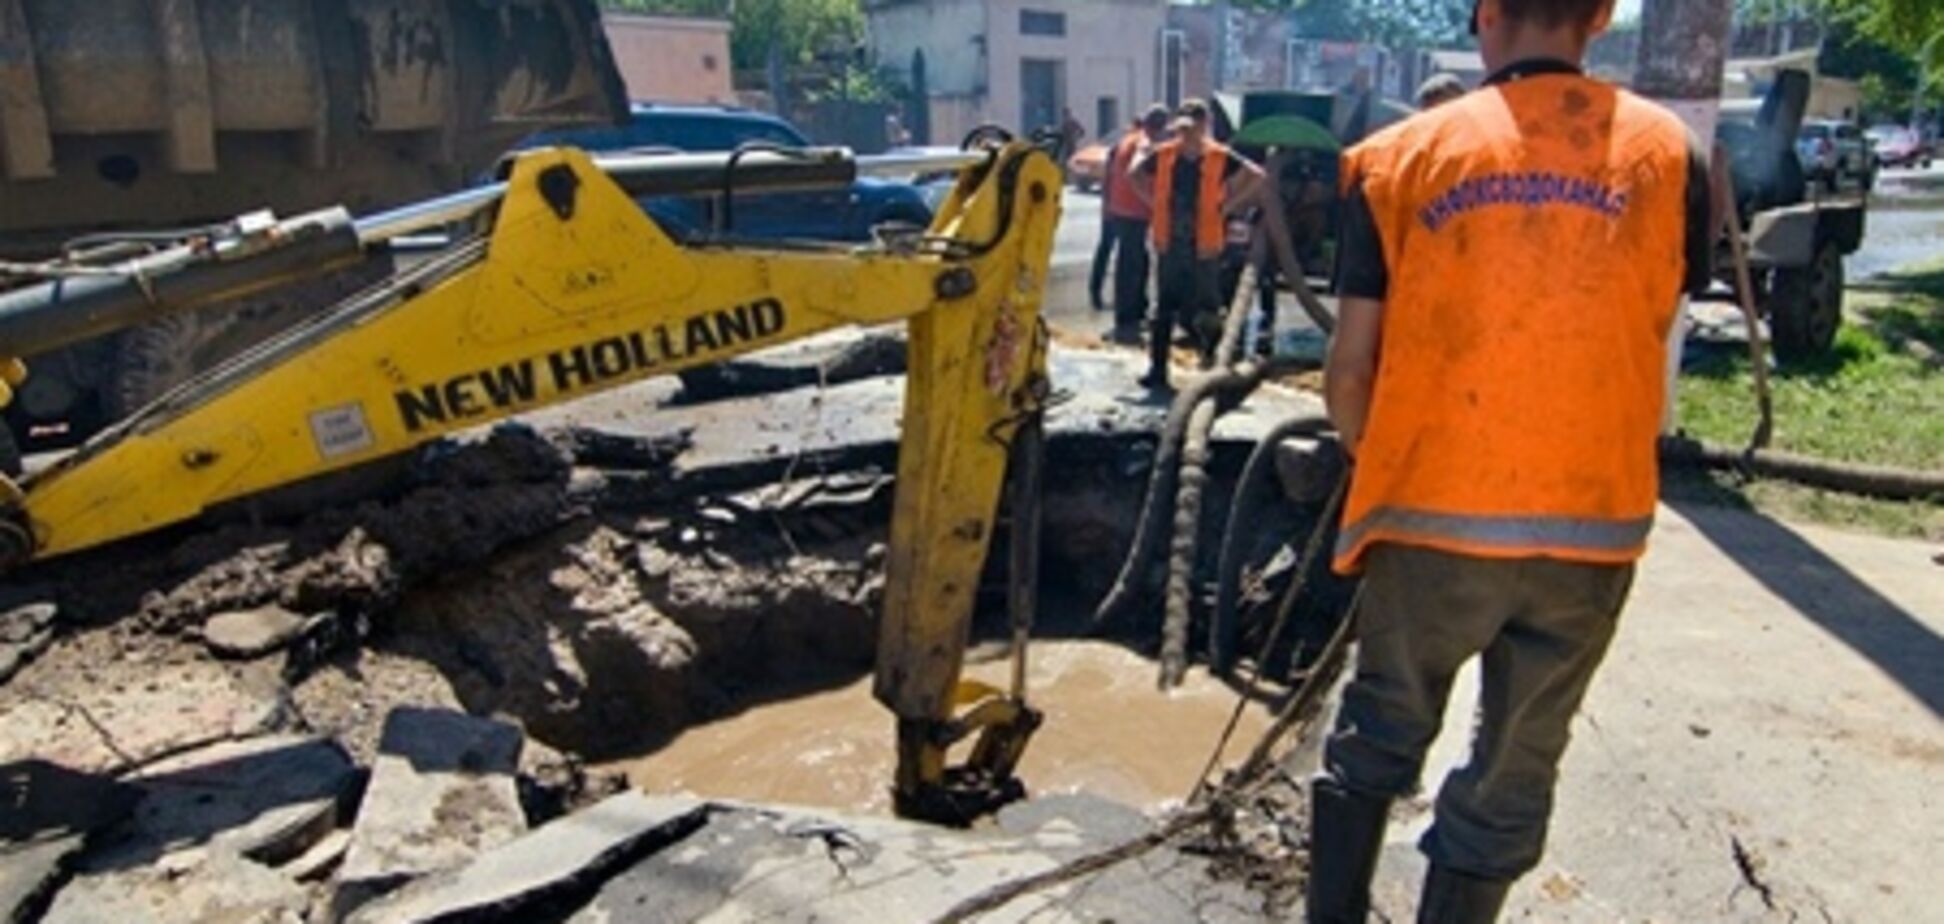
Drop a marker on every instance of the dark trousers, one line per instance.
(1189, 289)
(1130, 271)
(1542, 626)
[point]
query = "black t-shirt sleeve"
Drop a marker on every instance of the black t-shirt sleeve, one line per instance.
(1233, 166)
(1360, 270)
(1698, 274)
(1145, 166)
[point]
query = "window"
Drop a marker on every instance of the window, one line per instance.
(1041, 22)
(1107, 116)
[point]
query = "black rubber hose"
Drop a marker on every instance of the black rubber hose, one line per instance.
(1899, 484)
(1158, 506)
(1223, 631)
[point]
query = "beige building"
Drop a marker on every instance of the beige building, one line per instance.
(1020, 63)
(672, 59)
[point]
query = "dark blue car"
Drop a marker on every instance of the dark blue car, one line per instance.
(825, 214)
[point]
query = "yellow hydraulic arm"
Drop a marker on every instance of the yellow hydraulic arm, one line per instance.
(572, 290)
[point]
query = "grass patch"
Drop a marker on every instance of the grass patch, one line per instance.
(1877, 397)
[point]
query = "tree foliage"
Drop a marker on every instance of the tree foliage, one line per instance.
(1402, 23)
(802, 31)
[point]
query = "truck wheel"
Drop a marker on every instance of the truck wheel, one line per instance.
(1805, 306)
(151, 359)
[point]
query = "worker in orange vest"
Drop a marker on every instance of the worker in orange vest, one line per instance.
(1124, 227)
(1509, 265)
(1191, 183)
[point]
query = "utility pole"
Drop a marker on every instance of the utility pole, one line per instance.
(1683, 51)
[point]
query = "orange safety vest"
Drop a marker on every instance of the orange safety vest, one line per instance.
(1122, 201)
(1209, 232)
(1533, 234)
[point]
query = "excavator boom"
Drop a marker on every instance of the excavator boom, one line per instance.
(574, 290)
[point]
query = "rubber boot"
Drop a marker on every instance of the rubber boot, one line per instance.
(1451, 897)
(1346, 831)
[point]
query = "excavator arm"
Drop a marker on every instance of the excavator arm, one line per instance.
(574, 290)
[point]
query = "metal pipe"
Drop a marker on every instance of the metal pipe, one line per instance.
(666, 174)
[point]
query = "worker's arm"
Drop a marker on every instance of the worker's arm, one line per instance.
(1362, 281)
(1242, 185)
(1352, 370)
(1141, 171)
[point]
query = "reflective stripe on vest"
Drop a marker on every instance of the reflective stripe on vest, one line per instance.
(1532, 280)
(1573, 537)
(1210, 234)
(1122, 201)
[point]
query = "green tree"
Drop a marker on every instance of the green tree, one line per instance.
(1413, 23)
(802, 31)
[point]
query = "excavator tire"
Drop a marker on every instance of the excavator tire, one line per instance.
(1805, 305)
(149, 360)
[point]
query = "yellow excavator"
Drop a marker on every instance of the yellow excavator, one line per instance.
(561, 286)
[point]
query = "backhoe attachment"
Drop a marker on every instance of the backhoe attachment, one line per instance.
(570, 289)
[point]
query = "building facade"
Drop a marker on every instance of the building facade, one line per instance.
(1022, 63)
(672, 59)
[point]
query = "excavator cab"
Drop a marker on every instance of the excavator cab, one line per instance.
(566, 288)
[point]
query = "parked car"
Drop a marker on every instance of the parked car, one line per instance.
(1832, 151)
(1897, 146)
(825, 214)
(1087, 168)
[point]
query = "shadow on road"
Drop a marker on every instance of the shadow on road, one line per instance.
(1825, 592)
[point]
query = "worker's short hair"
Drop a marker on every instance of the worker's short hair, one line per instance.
(1194, 110)
(1156, 117)
(1551, 14)
(1439, 87)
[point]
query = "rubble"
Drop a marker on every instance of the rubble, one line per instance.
(127, 719)
(251, 633)
(50, 811)
(268, 799)
(25, 631)
(559, 856)
(206, 886)
(441, 791)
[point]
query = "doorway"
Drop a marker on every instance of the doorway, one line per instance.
(1041, 93)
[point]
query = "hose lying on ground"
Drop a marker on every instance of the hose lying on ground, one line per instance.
(1882, 481)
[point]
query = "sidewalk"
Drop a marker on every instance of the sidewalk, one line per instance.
(1775, 693)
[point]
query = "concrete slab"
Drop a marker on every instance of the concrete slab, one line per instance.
(267, 798)
(563, 854)
(1775, 691)
(441, 791)
(1102, 384)
(49, 812)
(104, 728)
(251, 633)
(218, 886)
(781, 864)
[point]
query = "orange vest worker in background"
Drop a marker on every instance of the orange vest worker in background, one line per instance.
(1124, 227)
(1509, 264)
(1192, 182)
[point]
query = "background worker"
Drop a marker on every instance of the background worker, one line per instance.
(1124, 227)
(1496, 372)
(1191, 183)
(1439, 89)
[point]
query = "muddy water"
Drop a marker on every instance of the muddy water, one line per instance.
(1108, 731)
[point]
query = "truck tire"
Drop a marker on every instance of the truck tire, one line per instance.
(149, 360)
(1805, 305)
